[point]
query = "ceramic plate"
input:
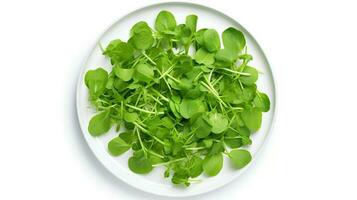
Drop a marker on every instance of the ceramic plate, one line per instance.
(154, 182)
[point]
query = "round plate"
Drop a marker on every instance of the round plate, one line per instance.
(154, 182)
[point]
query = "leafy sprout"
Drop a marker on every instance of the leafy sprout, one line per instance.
(184, 100)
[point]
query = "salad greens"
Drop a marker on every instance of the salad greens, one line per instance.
(184, 99)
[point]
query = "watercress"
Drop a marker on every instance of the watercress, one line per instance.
(184, 100)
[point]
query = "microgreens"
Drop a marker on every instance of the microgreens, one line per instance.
(184, 98)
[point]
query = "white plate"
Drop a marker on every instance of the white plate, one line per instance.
(154, 182)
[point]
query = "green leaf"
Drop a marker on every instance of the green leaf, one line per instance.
(204, 57)
(139, 28)
(131, 117)
(143, 72)
(216, 148)
(127, 136)
(201, 126)
(96, 81)
(219, 122)
(142, 40)
(233, 40)
(224, 58)
(232, 140)
(100, 123)
(248, 93)
(165, 22)
(262, 102)
(123, 74)
(212, 165)
(189, 107)
(196, 166)
(183, 35)
(118, 146)
(191, 22)
(183, 64)
(251, 78)
(174, 110)
(252, 119)
(240, 158)
(199, 36)
(139, 164)
(211, 40)
(119, 52)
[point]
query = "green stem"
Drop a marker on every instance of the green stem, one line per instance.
(140, 127)
(153, 98)
(144, 111)
(169, 162)
(236, 72)
(173, 78)
(166, 72)
(195, 148)
(160, 95)
(149, 59)
(155, 154)
(141, 142)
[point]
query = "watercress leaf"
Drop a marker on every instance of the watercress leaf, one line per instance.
(252, 76)
(183, 35)
(233, 40)
(204, 57)
(232, 139)
(224, 58)
(246, 57)
(166, 122)
(211, 40)
(123, 74)
(119, 52)
(174, 110)
(180, 178)
(201, 126)
(208, 142)
(240, 158)
(139, 164)
(252, 119)
(234, 143)
(127, 136)
(193, 93)
(96, 81)
(120, 85)
(100, 123)
(184, 64)
(189, 107)
(191, 22)
(262, 102)
(165, 22)
(248, 93)
(131, 117)
(219, 122)
(199, 36)
(143, 40)
(155, 160)
(139, 28)
(118, 146)
(196, 166)
(110, 83)
(212, 165)
(143, 72)
(112, 45)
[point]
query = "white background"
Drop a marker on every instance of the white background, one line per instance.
(311, 45)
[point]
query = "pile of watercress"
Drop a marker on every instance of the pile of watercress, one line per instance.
(184, 99)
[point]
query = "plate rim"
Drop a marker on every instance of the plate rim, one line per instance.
(97, 154)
